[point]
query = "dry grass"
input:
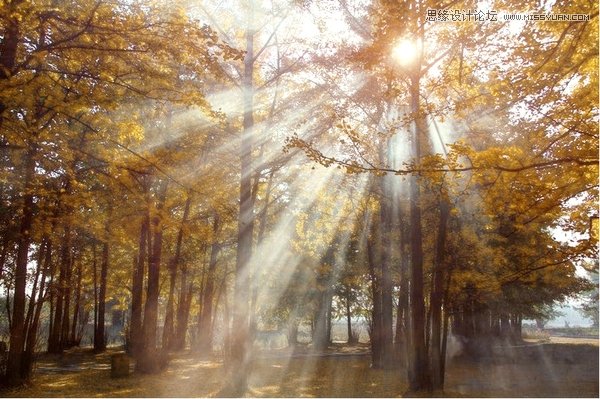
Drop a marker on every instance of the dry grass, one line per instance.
(561, 370)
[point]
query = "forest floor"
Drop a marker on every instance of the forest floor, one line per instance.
(560, 367)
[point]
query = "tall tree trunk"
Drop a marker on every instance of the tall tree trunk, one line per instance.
(321, 333)
(99, 333)
(65, 323)
(54, 342)
(402, 316)
(387, 337)
(150, 361)
(329, 317)
(52, 292)
(349, 317)
(34, 288)
(419, 370)
(240, 345)
(183, 311)
(437, 294)
(293, 324)
(205, 330)
(17, 327)
(95, 284)
(77, 304)
(446, 325)
(169, 328)
(137, 292)
(375, 335)
(35, 321)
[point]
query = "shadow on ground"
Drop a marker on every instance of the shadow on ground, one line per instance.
(540, 370)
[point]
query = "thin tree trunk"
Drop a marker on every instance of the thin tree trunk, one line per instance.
(77, 305)
(349, 318)
(99, 333)
(17, 327)
(403, 317)
(34, 288)
(446, 325)
(376, 348)
(65, 323)
(54, 343)
(387, 337)
(169, 328)
(39, 303)
(329, 316)
(95, 276)
(52, 291)
(4, 253)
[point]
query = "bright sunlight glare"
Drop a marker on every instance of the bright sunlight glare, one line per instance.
(405, 52)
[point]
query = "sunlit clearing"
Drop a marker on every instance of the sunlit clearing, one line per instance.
(405, 52)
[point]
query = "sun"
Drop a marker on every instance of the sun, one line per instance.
(405, 52)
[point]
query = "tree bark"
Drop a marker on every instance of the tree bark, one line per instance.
(183, 311)
(437, 294)
(137, 288)
(66, 316)
(77, 305)
(402, 316)
(322, 331)
(375, 334)
(99, 333)
(36, 280)
(419, 373)
(240, 345)
(17, 327)
(54, 341)
(349, 317)
(150, 361)
(169, 328)
(205, 330)
(35, 322)
(387, 337)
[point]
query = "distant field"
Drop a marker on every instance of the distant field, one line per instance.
(573, 332)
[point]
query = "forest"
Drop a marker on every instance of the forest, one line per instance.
(196, 175)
